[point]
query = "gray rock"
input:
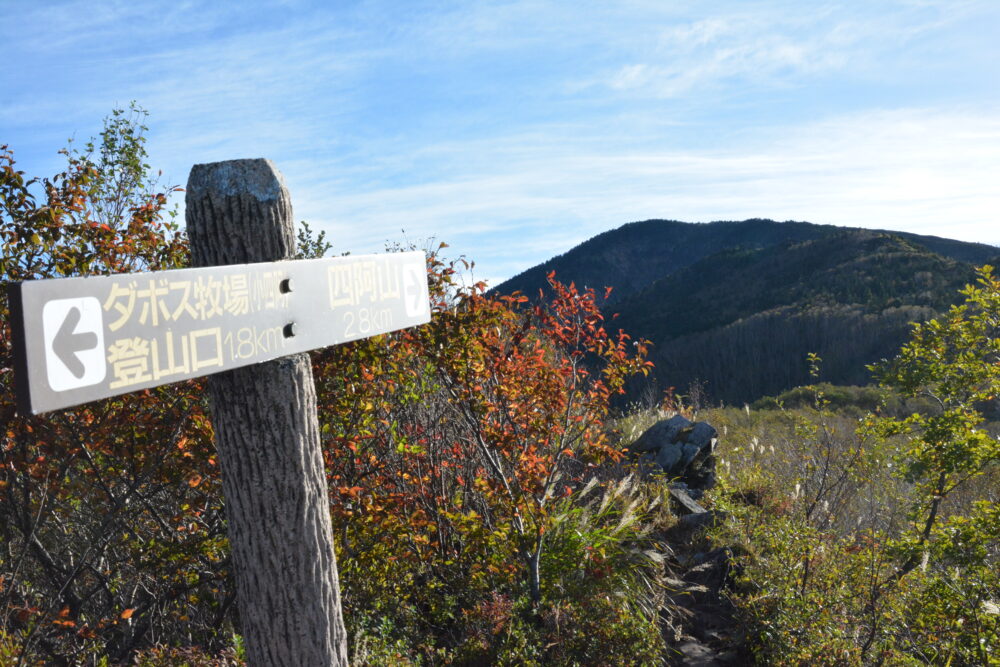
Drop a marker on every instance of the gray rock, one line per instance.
(704, 436)
(668, 457)
(688, 452)
(661, 433)
(680, 494)
(684, 451)
(696, 654)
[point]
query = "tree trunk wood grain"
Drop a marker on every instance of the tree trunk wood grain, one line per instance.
(267, 436)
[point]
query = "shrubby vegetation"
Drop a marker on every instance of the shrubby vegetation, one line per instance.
(464, 457)
(848, 400)
(876, 542)
(113, 531)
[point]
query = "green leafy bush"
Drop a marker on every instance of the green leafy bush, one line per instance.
(877, 544)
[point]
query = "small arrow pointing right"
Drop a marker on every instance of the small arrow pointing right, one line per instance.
(67, 343)
(414, 281)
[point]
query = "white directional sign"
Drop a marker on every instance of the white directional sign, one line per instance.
(82, 339)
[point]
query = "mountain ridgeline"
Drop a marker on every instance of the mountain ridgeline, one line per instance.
(735, 307)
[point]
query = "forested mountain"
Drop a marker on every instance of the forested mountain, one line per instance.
(637, 254)
(736, 306)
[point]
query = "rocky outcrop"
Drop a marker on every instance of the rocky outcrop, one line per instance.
(681, 450)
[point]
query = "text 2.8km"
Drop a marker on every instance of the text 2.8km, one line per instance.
(363, 320)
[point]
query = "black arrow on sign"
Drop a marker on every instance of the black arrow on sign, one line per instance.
(67, 343)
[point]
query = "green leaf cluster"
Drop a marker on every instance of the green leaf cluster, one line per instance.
(877, 543)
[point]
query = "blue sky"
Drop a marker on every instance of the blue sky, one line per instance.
(515, 130)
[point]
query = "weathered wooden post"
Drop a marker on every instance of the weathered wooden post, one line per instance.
(267, 434)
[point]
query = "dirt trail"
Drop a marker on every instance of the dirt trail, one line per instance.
(701, 626)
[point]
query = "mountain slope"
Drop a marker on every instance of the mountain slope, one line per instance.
(860, 267)
(735, 306)
(637, 254)
(743, 321)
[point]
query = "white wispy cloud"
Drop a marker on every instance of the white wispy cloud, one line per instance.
(772, 46)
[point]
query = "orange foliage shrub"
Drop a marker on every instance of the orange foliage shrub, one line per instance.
(111, 520)
(450, 444)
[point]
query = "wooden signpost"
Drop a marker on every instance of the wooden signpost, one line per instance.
(91, 338)
(245, 315)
